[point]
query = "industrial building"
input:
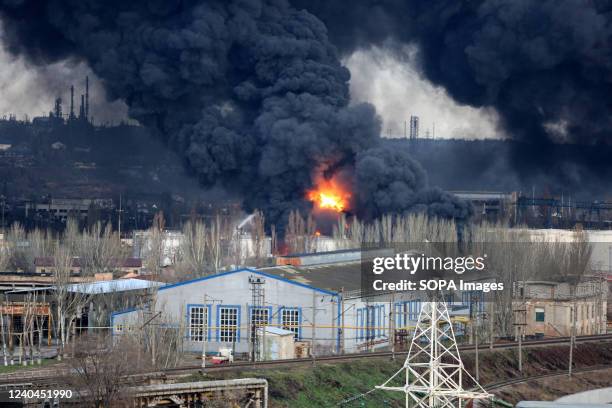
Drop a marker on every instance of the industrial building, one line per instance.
(322, 303)
(548, 308)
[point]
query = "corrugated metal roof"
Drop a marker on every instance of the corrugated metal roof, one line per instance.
(116, 285)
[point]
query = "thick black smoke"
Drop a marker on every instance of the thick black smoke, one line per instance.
(250, 92)
(544, 65)
(388, 179)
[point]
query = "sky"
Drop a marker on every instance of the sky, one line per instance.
(395, 87)
(398, 90)
(29, 90)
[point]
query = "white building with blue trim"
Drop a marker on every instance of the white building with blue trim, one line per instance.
(222, 306)
(315, 302)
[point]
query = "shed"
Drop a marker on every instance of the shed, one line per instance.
(276, 343)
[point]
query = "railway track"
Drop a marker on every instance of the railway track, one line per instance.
(519, 380)
(32, 377)
(349, 357)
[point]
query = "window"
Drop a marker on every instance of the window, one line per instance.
(371, 323)
(415, 309)
(360, 324)
(539, 314)
(290, 320)
(382, 320)
(198, 323)
(260, 316)
(228, 324)
(399, 316)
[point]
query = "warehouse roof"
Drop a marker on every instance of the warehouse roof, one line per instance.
(333, 277)
(117, 285)
(263, 272)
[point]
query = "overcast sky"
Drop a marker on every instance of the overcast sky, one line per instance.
(32, 90)
(398, 90)
(395, 87)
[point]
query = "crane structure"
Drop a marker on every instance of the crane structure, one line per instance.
(434, 372)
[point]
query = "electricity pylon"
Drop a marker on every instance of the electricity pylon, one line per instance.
(434, 370)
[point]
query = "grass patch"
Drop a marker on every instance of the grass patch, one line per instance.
(326, 385)
(12, 368)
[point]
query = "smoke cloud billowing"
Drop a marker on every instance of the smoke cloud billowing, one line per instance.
(545, 66)
(250, 92)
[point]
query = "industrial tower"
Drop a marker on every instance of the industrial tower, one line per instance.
(433, 368)
(414, 127)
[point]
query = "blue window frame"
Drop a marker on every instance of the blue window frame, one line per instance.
(198, 322)
(290, 318)
(371, 322)
(228, 323)
(401, 314)
(382, 321)
(259, 315)
(360, 324)
(414, 310)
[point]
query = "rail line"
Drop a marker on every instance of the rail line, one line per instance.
(519, 380)
(33, 376)
(349, 357)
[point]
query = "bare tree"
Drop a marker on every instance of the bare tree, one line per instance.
(102, 370)
(68, 301)
(194, 247)
(576, 266)
(19, 256)
(155, 244)
(258, 237)
(294, 235)
(100, 250)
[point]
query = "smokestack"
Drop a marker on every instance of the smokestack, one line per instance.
(87, 98)
(414, 127)
(82, 108)
(58, 108)
(71, 102)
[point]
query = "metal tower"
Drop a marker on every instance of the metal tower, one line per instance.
(259, 315)
(434, 371)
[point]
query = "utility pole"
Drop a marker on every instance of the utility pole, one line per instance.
(574, 313)
(204, 328)
(475, 321)
(119, 217)
(3, 198)
(392, 325)
(341, 351)
(314, 327)
(491, 325)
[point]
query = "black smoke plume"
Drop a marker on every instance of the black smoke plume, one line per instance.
(544, 65)
(250, 92)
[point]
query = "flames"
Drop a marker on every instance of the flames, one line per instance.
(329, 195)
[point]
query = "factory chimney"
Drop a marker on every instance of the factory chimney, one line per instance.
(71, 117)
(414, 127)
(82, 109)
(87, 98)
(57, 111)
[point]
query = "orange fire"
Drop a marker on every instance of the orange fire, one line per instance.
(329, 195)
